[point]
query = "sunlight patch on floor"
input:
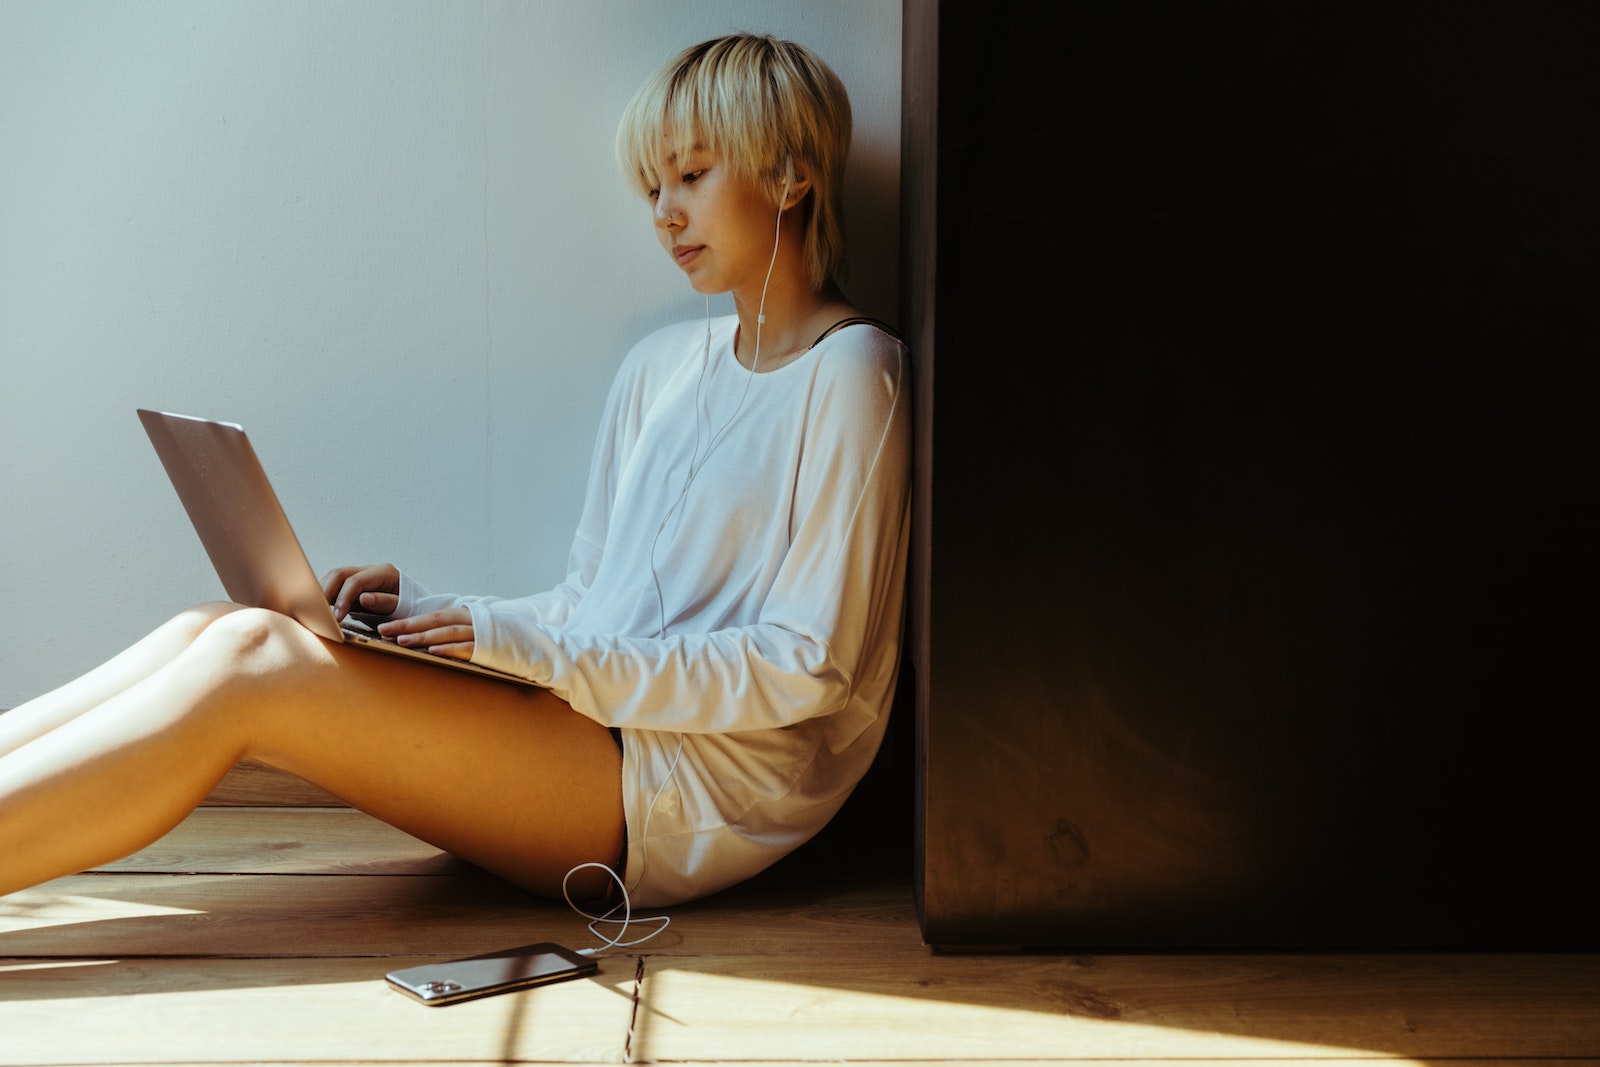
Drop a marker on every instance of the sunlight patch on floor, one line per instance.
(689, 1013)
(51, 965)
(31, 909)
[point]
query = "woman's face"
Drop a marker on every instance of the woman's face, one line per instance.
(717, 227)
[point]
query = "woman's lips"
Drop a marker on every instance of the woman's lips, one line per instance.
(685, 254)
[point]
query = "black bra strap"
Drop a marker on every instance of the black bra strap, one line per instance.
(884, 326)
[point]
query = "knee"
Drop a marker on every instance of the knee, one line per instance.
(243, 667)
(246, 640)
(191, 623)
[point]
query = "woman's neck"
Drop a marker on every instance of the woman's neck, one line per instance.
(793, 317)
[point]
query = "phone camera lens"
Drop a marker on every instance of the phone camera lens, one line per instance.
(436, 988)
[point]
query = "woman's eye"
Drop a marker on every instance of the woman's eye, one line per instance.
(654, 194)
(693, 176)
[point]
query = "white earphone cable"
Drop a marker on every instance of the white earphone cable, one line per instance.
(696, 464)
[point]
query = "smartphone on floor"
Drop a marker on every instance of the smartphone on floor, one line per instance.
(494, 972)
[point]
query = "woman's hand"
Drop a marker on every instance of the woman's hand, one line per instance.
(372, 590)
(443, 633)
(375, 590)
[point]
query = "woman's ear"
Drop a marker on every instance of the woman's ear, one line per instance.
(794, 186)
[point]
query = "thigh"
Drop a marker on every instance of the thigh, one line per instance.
(60, 706)
(508, 777)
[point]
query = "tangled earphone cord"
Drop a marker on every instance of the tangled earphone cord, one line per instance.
(627, 919)
(626, 904)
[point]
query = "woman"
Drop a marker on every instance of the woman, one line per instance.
(716, 669)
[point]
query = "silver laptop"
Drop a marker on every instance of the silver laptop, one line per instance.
(247, 535)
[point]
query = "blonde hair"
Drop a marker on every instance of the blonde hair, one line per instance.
(763, 105)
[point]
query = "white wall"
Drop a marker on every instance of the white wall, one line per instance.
(387, 236)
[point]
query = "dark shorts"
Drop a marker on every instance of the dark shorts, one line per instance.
(612, 896)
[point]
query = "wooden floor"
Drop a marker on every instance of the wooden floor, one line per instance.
(260, 934)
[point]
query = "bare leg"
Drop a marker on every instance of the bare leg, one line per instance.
(509, 778)
(164, 644)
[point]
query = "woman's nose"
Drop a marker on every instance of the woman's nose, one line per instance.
(667, 215)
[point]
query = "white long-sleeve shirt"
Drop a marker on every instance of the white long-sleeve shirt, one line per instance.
(734, 595)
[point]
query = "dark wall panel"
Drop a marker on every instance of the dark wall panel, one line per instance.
(1256, 601)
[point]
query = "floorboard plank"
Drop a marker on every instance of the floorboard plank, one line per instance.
(878, 918)
(180, 1011)
(986, 1062)
(274, 952)
(313, 915)
(855, 1006)
(219, 840)
(253, 784)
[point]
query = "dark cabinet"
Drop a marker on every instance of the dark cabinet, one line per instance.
(1254, 565)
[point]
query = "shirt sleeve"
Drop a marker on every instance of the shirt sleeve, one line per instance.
(835, 600)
